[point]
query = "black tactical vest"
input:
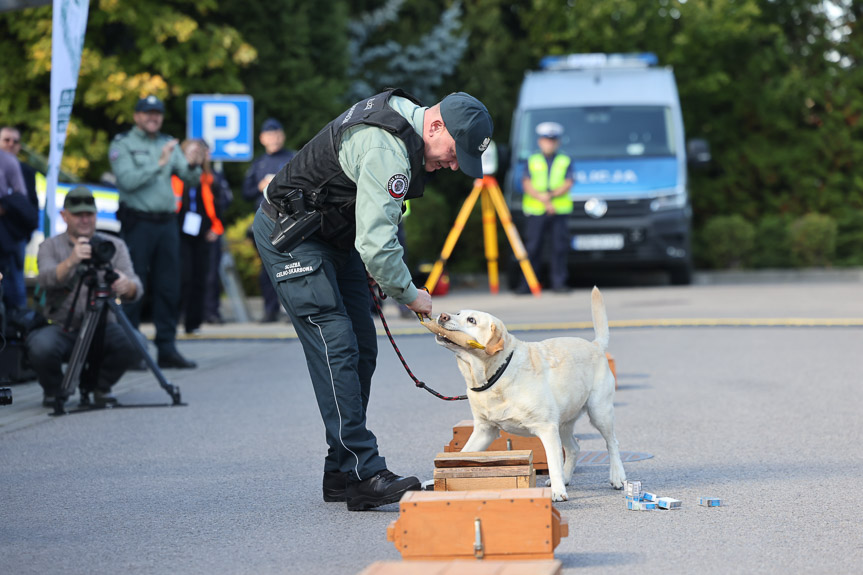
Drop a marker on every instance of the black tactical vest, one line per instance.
(316, 169)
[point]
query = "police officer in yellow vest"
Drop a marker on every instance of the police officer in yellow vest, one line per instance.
(546, 203)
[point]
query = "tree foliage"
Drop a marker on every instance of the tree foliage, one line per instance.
(168, 48)
(419, 66)
(775, 87)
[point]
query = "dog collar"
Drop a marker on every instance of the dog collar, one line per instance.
(493, 379)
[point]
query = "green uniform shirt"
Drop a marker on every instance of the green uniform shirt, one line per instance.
(371, 157)
(143, 185)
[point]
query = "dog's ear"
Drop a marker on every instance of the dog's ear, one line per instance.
(495, 342)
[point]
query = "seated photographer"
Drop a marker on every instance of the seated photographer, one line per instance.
(63, 260)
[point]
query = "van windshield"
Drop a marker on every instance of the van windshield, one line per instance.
(603, 131)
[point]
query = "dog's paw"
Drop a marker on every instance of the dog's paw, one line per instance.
(618, 485)
(559, 495)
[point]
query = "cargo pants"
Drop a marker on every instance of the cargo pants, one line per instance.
(325, 291)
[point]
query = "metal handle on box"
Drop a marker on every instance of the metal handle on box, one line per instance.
(477, 546)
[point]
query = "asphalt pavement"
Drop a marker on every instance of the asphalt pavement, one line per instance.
(746, 392)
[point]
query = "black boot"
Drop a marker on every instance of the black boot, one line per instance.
(381, 488)
(335, 483)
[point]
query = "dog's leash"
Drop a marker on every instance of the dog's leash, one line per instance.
(378, 298)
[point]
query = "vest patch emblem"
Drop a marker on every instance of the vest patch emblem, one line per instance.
(398, 186)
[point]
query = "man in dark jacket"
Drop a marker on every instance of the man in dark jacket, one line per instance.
(262, 170)
(18, 219)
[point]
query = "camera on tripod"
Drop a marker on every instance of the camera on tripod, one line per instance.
(101, 252)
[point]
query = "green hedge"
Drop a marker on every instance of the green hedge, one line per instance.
(813, 240)
(727, 241)
(245, 254)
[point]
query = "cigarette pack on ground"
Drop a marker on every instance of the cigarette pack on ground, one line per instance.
(709, 501)
(640, 505)
(633, 490)
(668, 503)
(648, 496)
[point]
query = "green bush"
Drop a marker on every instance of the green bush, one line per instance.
(772, 242)
(849, 238)
(813, 240)
(727, 241)
(245, 254)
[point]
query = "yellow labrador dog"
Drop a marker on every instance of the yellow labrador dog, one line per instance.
(535, 388)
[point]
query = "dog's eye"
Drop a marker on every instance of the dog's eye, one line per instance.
(471, 320)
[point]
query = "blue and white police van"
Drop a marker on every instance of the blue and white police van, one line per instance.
(624, 131)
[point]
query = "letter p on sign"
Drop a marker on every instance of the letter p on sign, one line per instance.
(224, 122)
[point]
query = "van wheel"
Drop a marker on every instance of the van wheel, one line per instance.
(681, 275)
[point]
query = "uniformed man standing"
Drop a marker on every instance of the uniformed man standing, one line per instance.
(143, 160)
(354, 177)
(546, 203)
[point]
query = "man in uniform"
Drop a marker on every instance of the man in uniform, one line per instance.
(546, 203)
(356, 174)
(262, 170)
(143, 160)
(60, 272)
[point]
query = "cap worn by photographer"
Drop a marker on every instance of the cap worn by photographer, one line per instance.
(150, 104)
(271, 125)
(80, 199)
(469, 123)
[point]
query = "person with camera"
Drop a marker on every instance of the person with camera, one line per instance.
(327, 224)
(63, 260)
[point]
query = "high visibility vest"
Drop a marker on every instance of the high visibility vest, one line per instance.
(542, 181)
(206, 198)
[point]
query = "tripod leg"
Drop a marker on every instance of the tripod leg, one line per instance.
(130, 332)
(514, 239)
(79, 355)
(489, 229)
(452, 238)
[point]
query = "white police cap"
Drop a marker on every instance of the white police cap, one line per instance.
(549, 130)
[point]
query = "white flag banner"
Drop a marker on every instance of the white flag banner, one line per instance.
(67, 42)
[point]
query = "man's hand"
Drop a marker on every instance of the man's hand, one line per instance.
(195, 153)
(123, 286)
(81, 251)
(422, 304)
(167, 150)
(265, 181)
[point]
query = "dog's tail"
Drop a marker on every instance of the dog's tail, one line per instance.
(600, 319)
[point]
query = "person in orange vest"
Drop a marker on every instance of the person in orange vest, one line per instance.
(546, 204)
(199, 227)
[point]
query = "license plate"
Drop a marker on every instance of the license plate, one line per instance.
(598, 242)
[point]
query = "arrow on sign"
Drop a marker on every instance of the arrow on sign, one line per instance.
(235, 148)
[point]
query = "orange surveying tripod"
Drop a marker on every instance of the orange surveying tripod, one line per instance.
(488, 190)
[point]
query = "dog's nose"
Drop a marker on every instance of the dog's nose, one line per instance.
(443, 318)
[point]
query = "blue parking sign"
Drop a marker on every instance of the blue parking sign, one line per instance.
(224, 122)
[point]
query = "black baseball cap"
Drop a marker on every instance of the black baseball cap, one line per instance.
(80, 199)
(271, 125)
(150, 104)
(469, 123)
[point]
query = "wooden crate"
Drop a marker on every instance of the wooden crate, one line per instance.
(511, 524)
(462, 430)
(472, 567)
(465, 471)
